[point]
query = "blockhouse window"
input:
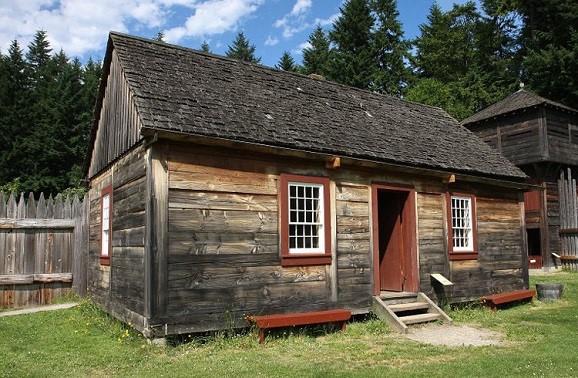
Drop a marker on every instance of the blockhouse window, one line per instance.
(106, 217)
(462, 227)
(305, 220)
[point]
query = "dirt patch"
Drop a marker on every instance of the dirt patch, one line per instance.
(452, 335)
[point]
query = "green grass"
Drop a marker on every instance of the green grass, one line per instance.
(540, 339)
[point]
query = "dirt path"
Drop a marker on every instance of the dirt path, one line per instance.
(453, 335)
(37, 309)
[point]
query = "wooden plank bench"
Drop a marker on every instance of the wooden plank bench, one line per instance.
(265, 322)
(494, 300)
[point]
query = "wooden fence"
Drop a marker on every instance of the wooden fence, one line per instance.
(568, 220)
(42, 249)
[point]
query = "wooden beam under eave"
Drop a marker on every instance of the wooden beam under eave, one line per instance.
(333, 163)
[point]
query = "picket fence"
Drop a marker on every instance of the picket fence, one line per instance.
(43, 247)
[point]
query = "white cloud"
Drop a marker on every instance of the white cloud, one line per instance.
(213, 17)
(327, 21)
(295, 21)
(80, 27)
(271, 41)
(300, 7)
(300, 48)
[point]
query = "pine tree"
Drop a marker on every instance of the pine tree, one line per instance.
(549, 52)
(286, 63)
(353, 56)
(205, 47)
(241, 49)
(14, 86)
(316, 57)
(160, 37)
(45, 121)
(391, 49)
(466, 56)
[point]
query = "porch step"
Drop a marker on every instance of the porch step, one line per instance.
(419, 318)
(402, 309)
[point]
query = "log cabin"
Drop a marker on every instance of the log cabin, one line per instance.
(221, 189)
(539, 136)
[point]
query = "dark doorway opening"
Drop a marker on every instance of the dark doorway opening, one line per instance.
(534, 248)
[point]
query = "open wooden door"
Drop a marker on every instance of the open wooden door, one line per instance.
(394, 239)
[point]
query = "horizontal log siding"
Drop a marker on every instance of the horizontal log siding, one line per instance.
(123, 292)
(432, 239)
(517, 136)
(224, 246)
(353, 245)
(224, 259)
(499, 264)
(562, 138)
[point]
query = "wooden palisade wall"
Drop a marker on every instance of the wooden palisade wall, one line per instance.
(42, 249)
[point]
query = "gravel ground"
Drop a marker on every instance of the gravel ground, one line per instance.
(452, 335)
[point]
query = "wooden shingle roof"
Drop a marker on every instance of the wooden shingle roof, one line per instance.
(188, 92)
(522, 99)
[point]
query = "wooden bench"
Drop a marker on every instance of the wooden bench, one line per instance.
(495, 300)
(265, 322)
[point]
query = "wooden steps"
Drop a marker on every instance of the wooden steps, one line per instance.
(401, 309)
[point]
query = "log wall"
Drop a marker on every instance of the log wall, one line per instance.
(119, 287)
(224, 260)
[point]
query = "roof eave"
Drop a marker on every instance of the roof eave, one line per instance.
(514, 182)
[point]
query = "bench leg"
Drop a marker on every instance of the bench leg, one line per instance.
(261, 336)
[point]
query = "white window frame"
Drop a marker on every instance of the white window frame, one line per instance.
(306, 217)
(462, 224)
(106, 225)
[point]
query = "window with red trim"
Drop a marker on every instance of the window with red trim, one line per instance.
(462, 228)
(106, 225)
(305, 220)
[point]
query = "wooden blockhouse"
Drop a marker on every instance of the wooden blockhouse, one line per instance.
(541, 138)
(221, 189)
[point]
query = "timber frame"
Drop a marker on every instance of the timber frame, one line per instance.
(539, 136)
(195, 147)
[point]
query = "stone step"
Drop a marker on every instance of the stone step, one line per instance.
(420, 318)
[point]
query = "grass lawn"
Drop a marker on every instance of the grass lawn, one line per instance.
(540, 339)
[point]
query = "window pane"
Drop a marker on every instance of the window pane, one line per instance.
(305, 217)
(461, 223)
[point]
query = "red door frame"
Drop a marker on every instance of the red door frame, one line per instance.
(410, 239)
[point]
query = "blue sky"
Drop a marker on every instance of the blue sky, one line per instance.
(80, 27)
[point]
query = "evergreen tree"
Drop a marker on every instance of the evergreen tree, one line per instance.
(205, 47)
(160, 37)
(241, 49)
(466, 56)
(14, 86)
(46, 105)
(316, 58)
(353, 57)
(391, 49)
(286, 63)
(549, 52)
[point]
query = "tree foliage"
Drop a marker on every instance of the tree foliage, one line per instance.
(241, 49)
(470, 54)
(352, 58)
(316, 57)
(549, 48)
(46, 104)
(287, 63)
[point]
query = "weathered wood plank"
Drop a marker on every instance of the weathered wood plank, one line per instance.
(54, 224)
